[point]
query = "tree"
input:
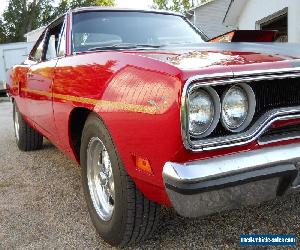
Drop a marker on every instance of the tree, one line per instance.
(64, 5)
(22, 16)
(176, 5)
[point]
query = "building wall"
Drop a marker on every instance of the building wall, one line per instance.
(256, 10)
(34, 35)
(209, 18)
(10, 55)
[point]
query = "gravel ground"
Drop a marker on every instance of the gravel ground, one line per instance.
(42, 206)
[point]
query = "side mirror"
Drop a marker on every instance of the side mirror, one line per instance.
(29, 62)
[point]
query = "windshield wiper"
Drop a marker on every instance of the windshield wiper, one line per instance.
(124, 46)
(148, 46)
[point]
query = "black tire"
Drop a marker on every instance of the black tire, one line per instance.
(134, 217)
(27, 138)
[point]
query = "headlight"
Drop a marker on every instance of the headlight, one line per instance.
(203, 111)
(238, 107)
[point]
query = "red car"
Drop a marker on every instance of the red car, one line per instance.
(157, 115)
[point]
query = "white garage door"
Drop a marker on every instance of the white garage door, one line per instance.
(14, 56)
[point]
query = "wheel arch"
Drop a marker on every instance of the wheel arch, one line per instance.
(77, 119)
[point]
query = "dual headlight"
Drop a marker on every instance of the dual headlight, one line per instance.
(235, 109)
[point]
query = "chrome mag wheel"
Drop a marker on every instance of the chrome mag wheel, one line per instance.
(16, 123)
(120, 212)
(100, 179)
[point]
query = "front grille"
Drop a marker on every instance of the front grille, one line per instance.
(269, 94)
(280, 133)
(274, 94)
(282, 130)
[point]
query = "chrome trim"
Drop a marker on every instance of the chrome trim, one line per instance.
(259, 127)
(183, 109)
(235, 78)
(70, 33)
(207, 186)
(63, 30)
(100, 179)
(107, 8)
(203, 170)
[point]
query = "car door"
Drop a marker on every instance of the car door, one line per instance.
(40, 79)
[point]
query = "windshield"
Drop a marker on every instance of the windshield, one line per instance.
(120, 29)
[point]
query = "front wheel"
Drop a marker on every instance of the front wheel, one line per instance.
(119, 211)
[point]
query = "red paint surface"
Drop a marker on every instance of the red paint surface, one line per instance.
(134, 78)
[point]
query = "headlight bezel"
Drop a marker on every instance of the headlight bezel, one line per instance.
(217, 111)
(263, 117)
(251, 107)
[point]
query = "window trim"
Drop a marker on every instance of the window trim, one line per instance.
(63, 30)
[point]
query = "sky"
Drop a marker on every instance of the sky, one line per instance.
(139, 4)
(2, 5)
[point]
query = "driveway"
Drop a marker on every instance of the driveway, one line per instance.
(42, 206)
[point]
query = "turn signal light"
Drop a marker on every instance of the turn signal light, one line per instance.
(143, 164)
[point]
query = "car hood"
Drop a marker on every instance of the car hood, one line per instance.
(225, 54)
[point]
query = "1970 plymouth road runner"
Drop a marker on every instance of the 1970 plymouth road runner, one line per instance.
(155, 114)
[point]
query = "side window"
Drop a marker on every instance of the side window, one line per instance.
(37, 51)
(62, 42)
(53, 38)
(51, 50)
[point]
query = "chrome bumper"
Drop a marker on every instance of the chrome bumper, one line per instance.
(207, 186)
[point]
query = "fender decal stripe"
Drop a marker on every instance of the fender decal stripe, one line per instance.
(97, 103)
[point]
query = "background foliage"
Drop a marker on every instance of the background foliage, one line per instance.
(176, 5)
(22, 16)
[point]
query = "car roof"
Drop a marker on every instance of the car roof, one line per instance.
(98, 8)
